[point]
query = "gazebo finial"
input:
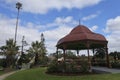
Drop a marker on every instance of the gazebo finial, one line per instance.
(79, 22)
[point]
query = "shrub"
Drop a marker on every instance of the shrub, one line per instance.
(68, 67)
(115, 64)
(84, 67)
(3, 63)
(52, 67)
(99, 63)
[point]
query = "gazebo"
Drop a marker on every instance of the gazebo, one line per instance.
(81, 38)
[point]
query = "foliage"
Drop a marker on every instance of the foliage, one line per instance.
(10, 50)
(23, 59)
(52, 67)
(38, 49)
(115, 64)
(68, 67)
(84, 67)
(3, 63)
(39, 74)
(99, 62)
(71, 65)
(43, 61)
(100, 53)
(69, 54)
(115, 55)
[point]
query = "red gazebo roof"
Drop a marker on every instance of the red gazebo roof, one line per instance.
(81, 33)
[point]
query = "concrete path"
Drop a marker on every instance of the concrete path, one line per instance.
(106, 70)
(2, 77)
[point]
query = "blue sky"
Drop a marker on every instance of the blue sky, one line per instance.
(56, 18)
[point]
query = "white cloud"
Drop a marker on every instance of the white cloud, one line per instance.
(94, 28)
(113, 28)
(43, 6)
(65, 25)
(113, 25)
(7, 30)
(90, 16)
(32, 32)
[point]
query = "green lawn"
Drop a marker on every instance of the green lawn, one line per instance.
(1, 72)
(39, 74)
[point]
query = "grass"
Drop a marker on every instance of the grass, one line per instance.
(5, 70)
(1, 72)
(39, 74)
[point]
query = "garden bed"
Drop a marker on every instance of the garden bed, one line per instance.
(72, 74)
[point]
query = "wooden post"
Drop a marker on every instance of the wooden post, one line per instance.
(64, 50)
(77, 52)
(93, 52)
(94, 60)
(64, 55)
(57, 53)
(89, 61)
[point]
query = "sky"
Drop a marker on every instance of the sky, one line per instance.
(56, 18)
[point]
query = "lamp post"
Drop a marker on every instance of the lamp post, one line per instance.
(18, 6)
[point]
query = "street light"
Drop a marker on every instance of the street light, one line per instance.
(18, 6)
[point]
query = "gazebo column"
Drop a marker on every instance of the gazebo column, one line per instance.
(94, 61)
(57, 53)
(64, 55)
(89, 61)
(93, 52)
(107, 57)
(77, 52)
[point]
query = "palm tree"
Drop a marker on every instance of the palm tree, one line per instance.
(10, 50)
(36, 50)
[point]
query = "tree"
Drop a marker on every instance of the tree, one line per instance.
(100, 53)
(35, 49)
(70, 55)
(43, 48)
(38, 49)
(10, 50)
(115, 55)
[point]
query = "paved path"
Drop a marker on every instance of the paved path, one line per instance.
(2, 77)
(106, 70)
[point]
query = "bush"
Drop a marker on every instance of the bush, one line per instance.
(99, 63)
(68, 67)
(115, 64)
(84, 67)
(3, 63)
(53, 68)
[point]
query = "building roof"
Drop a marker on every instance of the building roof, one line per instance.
(81, 33)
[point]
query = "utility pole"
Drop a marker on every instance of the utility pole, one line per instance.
(18, 6)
